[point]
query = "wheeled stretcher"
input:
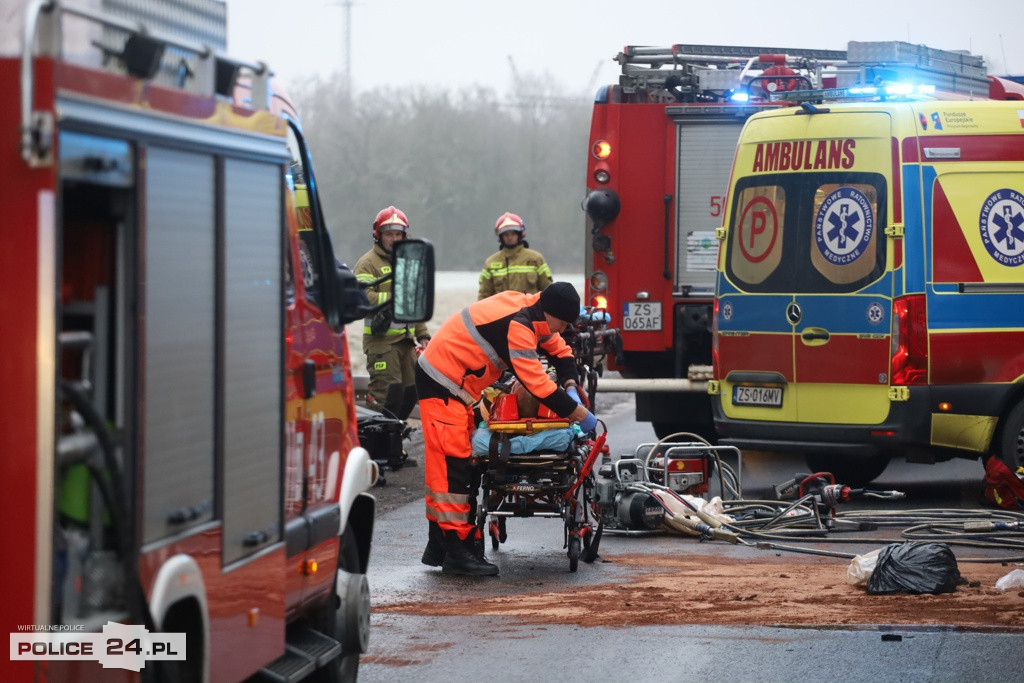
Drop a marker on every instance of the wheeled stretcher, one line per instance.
(538, 467)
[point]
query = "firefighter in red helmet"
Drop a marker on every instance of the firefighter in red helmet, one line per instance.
(390, 347)
(514, 266)
(470, 352)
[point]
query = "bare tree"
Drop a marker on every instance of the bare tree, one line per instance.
(453, 161)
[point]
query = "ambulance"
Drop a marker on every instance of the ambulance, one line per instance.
(870, 284)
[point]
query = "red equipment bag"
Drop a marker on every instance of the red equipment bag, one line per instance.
(1002, 487)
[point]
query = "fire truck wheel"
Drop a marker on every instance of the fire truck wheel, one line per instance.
(182, 617)
(1011, 447)
(347, 617)
(849, 471)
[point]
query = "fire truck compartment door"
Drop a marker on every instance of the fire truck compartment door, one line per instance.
(253, 353)
(704, 154)
(179, 349)
(213, 362)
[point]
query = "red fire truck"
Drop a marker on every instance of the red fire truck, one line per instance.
(661, 146)
(662, 143)
(179, 448)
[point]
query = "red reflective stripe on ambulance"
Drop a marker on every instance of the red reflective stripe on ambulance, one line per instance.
(757, 352)
(952, 259)
(845, 359)
(976, 147)
(910, 153)
(976, 357)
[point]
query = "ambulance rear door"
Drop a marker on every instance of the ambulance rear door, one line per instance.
(806, 255)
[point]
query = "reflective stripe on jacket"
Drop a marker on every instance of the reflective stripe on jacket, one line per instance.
(517, 268)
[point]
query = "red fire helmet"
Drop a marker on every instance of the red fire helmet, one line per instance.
(390, 218)
(509, 221)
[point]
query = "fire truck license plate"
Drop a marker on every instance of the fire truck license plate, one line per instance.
(757, 396)
(642, 315)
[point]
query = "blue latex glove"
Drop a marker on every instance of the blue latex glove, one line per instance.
(574, 394)
(589, 423)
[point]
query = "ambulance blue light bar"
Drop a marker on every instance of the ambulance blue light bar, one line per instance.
(861, 92)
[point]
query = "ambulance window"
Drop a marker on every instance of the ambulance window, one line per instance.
(302, 201)
(843, 239)
(755, 241)
(807, 232)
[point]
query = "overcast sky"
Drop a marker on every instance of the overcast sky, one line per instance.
(458, 43)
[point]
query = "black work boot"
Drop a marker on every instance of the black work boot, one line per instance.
(433, 555)
(461, 558)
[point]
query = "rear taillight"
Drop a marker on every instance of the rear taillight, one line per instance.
(909, 346)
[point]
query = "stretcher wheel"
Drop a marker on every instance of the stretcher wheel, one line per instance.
(575, 550)
(496, 530)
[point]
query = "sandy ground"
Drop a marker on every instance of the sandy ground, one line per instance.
(774, 590)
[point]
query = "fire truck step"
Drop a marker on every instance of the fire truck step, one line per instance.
(314, 644)
(306, 651)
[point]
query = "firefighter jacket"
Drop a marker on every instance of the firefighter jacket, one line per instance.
(507, 331)
(372, 266)
(518, 268)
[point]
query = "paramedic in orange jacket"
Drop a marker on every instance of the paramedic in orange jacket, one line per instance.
(467, 354)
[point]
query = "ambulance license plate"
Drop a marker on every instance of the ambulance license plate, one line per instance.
(757, 396)
(642, 315)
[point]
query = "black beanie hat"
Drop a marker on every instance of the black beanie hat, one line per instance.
(561, 300)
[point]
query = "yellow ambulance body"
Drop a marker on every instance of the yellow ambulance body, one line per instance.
(870, 289)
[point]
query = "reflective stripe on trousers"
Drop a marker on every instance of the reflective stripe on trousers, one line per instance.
(451, 483)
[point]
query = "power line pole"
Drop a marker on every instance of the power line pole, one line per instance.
(346, 66)
(348, 48)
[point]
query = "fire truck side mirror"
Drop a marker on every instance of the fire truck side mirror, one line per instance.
(413, 285)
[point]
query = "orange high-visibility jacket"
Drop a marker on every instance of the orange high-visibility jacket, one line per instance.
(505, 331)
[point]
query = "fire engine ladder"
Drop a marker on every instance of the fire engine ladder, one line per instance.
(708, 54)
(652, 67)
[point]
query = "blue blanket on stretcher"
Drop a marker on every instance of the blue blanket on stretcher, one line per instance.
(556, 440)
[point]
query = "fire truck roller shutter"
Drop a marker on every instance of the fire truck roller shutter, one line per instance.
(702, 180)
(253, 340)
(178, 400)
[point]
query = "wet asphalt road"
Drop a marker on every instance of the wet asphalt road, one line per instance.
(414, 648)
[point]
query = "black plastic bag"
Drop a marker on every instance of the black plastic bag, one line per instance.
(915, 567)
